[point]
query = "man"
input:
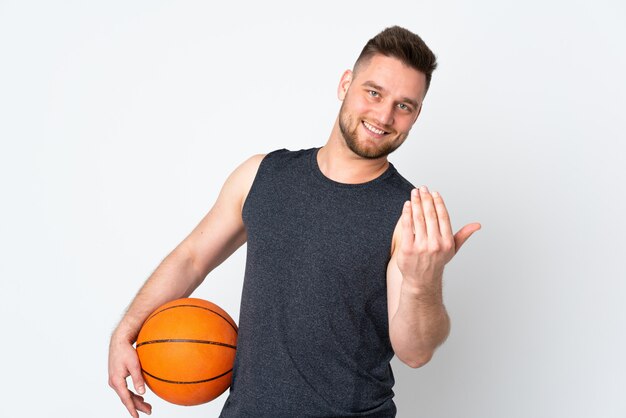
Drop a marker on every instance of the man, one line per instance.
(345, 257)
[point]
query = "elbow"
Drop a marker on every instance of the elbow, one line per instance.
(416, 362)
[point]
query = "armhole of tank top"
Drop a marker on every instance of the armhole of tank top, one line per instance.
(254, 181)
(398, 225)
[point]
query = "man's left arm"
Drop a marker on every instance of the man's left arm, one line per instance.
(423, 244)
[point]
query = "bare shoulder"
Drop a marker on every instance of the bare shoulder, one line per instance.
(240, 181)
(222, 231)
(251, 165)
(247, 170)
(395, 239)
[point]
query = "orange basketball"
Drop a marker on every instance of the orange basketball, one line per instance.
(187, 349)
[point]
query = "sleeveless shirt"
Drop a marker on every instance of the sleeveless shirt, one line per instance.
(313, 328)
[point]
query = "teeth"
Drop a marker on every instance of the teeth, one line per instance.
(371, 128)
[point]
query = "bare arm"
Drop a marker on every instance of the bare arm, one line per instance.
(423, 244)
(220, 233)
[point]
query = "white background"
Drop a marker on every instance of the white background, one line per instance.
(120, 120)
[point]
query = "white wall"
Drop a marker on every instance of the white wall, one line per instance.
(120, 120)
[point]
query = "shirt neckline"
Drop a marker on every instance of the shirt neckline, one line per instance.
(317, 173)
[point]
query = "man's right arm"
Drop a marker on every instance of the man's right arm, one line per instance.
(219, 234)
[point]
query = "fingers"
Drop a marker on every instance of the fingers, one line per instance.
(464, 233)
(444, 218)
(430, 214)
(138, 383)
(131, 401)
(126, 396)
(141, 405)
(419, 224)
(408, 233)
(425, 213)
(123, 362)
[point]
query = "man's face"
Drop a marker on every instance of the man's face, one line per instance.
(381, 102)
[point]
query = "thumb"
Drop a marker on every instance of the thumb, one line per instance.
(138, 382)
(463, 234)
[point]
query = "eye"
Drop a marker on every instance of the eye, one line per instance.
(373, 93)
(404, 107)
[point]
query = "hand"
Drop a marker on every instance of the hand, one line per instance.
(427, 243)
(123, 362)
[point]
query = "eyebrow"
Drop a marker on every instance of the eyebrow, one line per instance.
(375, 86)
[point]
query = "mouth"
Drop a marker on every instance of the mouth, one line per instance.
(379, 133)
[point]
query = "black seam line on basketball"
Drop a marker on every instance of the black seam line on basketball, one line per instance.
(194, 306)
(186, 383)
(186, 340)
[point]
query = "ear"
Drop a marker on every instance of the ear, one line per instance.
(344, 84)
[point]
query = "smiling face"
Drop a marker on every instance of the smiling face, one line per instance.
(381, 101)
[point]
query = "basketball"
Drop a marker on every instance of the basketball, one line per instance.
(187, 350)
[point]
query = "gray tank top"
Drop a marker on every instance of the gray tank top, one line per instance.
(313, 327)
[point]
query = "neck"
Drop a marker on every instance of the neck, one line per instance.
(341, 164)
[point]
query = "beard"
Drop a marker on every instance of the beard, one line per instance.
(349, 131)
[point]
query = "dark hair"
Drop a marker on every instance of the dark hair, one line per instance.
(404, 45)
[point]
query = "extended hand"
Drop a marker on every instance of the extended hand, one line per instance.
(427, 243)
(123, 362)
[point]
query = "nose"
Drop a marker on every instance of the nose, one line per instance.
(384, 114)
